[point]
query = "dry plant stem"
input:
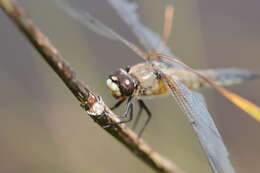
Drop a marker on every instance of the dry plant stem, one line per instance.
(88, 99)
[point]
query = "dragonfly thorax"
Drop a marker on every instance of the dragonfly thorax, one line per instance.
(121, 84)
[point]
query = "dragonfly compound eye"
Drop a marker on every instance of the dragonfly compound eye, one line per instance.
(121, 84)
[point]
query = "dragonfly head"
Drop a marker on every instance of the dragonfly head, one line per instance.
(121, 83)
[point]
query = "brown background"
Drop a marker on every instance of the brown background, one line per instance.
(43, 129)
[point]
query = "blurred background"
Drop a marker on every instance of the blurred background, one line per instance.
(42, 127)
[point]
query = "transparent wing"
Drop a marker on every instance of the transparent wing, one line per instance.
(96, 26)
(126, 10)
(193, 105)
(150, 40)
(86, 19)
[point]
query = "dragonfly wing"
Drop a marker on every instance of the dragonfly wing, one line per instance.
(149, 39)
(95, 25)
(193, 105)
(86, 19)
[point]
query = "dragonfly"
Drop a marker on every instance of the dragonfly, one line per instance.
(161, 75)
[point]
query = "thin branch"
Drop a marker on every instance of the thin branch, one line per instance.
(90, 101)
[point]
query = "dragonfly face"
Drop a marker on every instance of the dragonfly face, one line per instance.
(122, 84)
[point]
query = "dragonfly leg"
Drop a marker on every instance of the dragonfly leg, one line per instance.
(117, 104)
(138, 114)
(127, 114)
(148, 112)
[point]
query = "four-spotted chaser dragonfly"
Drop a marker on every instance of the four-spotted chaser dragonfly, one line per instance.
(162, 75)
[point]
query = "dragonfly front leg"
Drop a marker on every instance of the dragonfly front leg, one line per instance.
(127, 114)
(113, 107)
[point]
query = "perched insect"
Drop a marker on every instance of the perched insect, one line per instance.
(162, 75)
(141, 82)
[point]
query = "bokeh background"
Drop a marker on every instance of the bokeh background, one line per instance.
(42, 127)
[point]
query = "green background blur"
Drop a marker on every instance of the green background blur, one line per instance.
(42, 127)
